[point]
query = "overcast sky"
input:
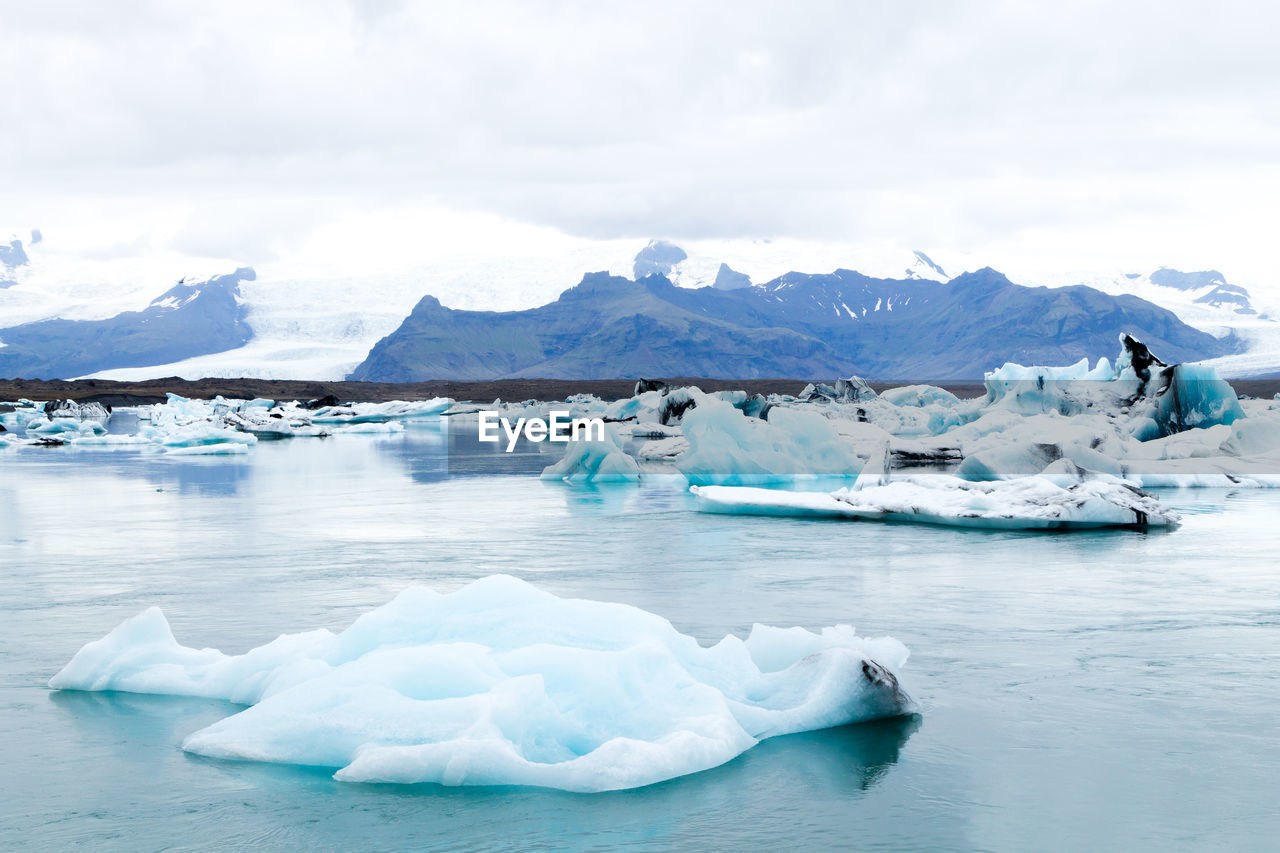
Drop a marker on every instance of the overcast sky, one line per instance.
(1080, 134)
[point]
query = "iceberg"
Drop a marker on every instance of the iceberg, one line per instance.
(358, 413)
(1154, 398)
(851, 390)
(1028, 503)
(920, 396)
(500, 683)
(65, 427)
(78, 411)
(596, 460)
(728, 448)
(224, 448)
(1190, 396)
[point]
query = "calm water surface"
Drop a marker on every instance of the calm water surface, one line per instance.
(1086, 691)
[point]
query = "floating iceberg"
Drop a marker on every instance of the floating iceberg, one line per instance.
(65, 427)
(502, 684)
(851, 390)
(598, 460)
(225, 448)
(920, 396)
(1154, 398)
(78, 411)
(1189, 396)
(181, 422)
(728, 448)
(1029, 503)
(357, 413)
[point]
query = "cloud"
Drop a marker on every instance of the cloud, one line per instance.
(970, 125)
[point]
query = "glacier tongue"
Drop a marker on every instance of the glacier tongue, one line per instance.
(500, 683)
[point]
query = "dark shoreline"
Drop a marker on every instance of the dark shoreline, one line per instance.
(154, 390)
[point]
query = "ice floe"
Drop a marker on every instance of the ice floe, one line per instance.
(500, 683)
(1028, 503)
(182, 423)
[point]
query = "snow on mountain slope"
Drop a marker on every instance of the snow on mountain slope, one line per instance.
(317, 312)
(765, 260)
(310, 322)
(1207, 301)
(59, 283)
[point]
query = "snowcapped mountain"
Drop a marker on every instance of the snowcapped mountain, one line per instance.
(1206, 300)
(320, 319)
(799, 325)
(188, 319)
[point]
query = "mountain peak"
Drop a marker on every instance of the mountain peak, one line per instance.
(728, 278)
(924, 267)
(983, 279)
(658, 258)
(13, 255)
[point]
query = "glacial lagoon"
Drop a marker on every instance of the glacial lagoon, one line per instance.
(1093, 690)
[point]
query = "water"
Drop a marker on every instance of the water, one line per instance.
(1107, 690)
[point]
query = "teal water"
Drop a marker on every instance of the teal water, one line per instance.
(1106, 690)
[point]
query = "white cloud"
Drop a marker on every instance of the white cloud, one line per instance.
(1074, 134)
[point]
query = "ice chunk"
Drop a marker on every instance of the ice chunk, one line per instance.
(197, 435)
(851, 390)
(81, 412)
(223, 448)
(594, 460)
(727, 447)
(643, 406)
(1191, 396)
(65, 427)
(920, 396)
(1032, 503)
(1255, 436)
(1078, 372)
(502, 684)
(1028, 444)
(1155, 398)
(356, 413)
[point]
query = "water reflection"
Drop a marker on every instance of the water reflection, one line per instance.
(848, 759)
(851, 758)
(137, 736)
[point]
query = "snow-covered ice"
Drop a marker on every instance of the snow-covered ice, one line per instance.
(500, 683)
(1028, 503)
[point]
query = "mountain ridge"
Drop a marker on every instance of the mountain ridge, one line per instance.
(798, 324)
(186, 320)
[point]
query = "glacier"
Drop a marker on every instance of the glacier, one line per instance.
(500, 683)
